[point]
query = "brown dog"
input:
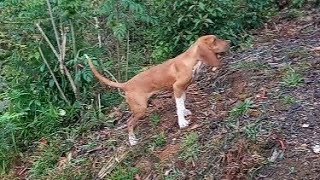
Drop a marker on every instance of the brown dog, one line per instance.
(174, 74)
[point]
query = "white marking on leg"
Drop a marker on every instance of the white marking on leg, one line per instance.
(133, 140)
(186, 112)
(180, 112)
(184, 96)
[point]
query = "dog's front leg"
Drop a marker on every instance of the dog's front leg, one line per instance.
(179, 98)
(186, 111)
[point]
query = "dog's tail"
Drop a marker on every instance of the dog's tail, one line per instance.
(101, 77)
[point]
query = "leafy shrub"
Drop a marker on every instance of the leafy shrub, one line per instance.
(184, 21)
(36, 107)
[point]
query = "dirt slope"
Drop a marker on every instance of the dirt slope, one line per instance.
(258, 117)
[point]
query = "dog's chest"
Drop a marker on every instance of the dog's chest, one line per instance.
(196, 70)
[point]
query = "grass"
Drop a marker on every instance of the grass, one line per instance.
(190, 147)
(155, 119)
(298, 53)
(252, 130)
(123, 173)
(291, 78)
(246, 41)
(250, 65)
(78, 168)
(241, 108)
(46, 160)
(157, 141)
(173, 175)
(289, 100)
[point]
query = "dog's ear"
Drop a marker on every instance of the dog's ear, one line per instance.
(207, 55)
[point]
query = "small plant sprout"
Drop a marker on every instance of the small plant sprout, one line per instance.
(241, 109)
(190, 147)
(291, 78)
(155, 119)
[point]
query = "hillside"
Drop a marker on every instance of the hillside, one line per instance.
(257, 117)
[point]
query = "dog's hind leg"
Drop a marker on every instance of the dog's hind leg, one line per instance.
(138, 105)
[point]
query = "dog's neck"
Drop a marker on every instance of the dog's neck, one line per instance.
(192, 57)
(193, 60)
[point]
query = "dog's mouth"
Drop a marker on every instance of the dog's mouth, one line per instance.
(219, 55)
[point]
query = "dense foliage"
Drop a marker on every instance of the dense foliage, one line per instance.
(47, 89)
(189, 19)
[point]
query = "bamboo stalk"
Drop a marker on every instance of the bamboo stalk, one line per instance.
(53, 25)
(128, 53)
(54, 77)
(59, 57)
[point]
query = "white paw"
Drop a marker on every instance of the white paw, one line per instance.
(187, 112)
(133, 140)
(183, 123)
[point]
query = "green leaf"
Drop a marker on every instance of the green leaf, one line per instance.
(42, 67)
(180, 19)
(51, 83)
(87, 75)
(209, 21)
(119, 31)
(201, 6)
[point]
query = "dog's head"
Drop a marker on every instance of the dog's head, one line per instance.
(208, 48)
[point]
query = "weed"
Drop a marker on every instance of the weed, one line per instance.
(246, 42)
(45, 161)
(124, 173)
(294, 14)
(233, 123)
(298, 53)
(174, 174)
(292, 170)
(155, 119)
(292, 78)
(240, 109)
(158, 140)
(190, 148)
(289, 100)
(250, 66)
(252, 130)
(79, 168)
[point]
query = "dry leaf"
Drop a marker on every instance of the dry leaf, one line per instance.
(254, 113)
(262, 94)
(195, 126)
(64, 161)
(316, 48)
(214, 69)
(137, 177)
(43, 141)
